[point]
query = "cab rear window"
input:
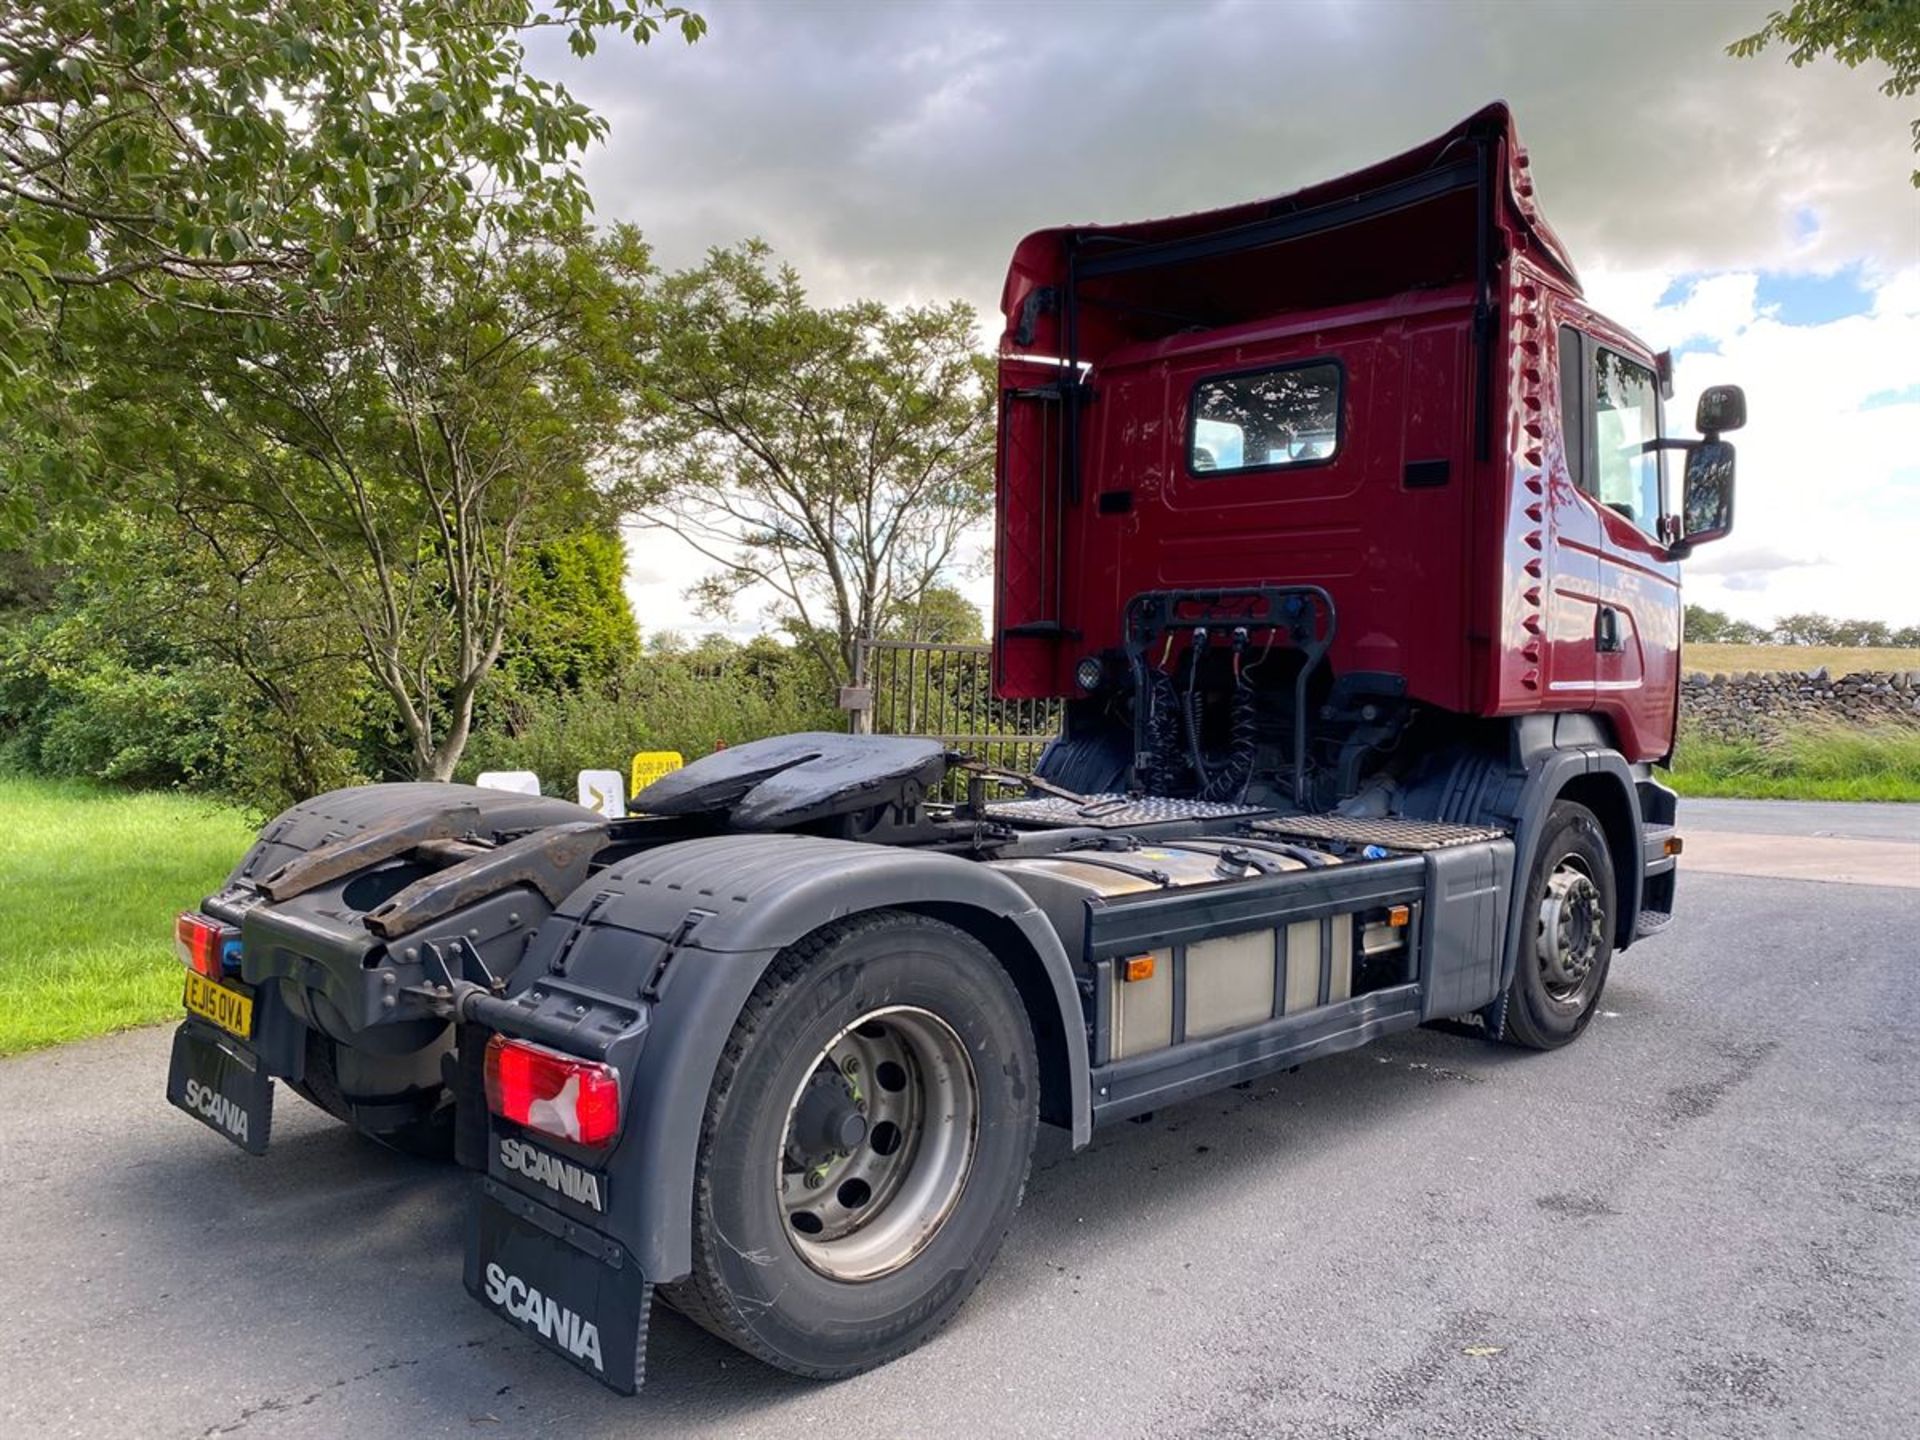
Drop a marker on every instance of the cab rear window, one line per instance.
(1265, 419)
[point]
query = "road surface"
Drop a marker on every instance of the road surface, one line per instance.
(1704, 1219)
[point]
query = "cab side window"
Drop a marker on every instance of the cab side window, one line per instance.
(1626, 415)
(1609, 410)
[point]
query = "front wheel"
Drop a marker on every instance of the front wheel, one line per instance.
(865, 1146)
(1571, 901)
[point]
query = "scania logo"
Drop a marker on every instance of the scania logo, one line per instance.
(578, 1184)
(218, 1109)
(579, 1338)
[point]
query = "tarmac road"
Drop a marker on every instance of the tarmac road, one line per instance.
(1703, 1219)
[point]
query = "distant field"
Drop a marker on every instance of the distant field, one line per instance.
(1838, 659)
(93, 879)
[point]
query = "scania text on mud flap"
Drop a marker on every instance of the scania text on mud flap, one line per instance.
(1347, 537)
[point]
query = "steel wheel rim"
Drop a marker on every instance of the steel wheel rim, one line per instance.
(860, 1210)
(1570, 931)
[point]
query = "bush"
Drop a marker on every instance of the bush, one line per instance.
(690, 700)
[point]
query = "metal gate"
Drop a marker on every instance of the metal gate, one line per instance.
(945, 692)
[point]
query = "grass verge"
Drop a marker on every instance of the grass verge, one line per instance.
(92, 881)
(1807, 762)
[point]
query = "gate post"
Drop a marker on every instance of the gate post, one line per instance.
(857, 699)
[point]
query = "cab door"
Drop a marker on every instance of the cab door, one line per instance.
(1636, 639)
(1571, 614)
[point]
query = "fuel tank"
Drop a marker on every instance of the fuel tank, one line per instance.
(1210, 987)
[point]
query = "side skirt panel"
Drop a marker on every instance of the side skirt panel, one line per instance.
(1131, 1087)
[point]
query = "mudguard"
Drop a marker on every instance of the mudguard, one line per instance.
(1549, 773)
(689, 928)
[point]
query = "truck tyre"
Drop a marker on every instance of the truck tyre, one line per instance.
(864, 1148)
(1571, 899)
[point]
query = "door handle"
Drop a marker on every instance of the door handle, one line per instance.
(1606, 631)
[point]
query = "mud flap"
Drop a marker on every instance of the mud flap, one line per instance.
(571, 1288)
(222, 1084)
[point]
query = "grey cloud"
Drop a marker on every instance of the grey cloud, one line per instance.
(901, 150)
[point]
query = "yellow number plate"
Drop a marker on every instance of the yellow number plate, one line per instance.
(230, 1009)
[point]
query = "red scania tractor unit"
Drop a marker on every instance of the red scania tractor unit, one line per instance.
(1350, 536)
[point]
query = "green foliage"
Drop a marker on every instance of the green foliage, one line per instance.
(572, 628)
(153, 145)
(1704, 626)
(147, 663)
(939, 614)
(673, 697)
(304, 285)
(393, 464)
(833, 457)
(94, 879)
(1804, 762)
(1854, 32)
(87, 690)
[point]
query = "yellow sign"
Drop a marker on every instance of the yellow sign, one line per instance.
(230, 1009)
(650, 765)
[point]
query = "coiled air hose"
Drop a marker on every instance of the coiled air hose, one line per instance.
(1228, 780)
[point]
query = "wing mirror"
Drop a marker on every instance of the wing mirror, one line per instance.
(1706, 494)
(1721, 408)
(1706, 491)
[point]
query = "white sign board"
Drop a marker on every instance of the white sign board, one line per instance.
(604, 793)
(520, 782)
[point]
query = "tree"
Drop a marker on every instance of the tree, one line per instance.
(146, 145)
(832, 457)
(1804, 629)
(1852, 32)
(572, 628)
(162, 160)
(941, 615)
(1704, 626)
(413, 446)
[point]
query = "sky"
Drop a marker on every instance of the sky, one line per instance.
(1756, 218)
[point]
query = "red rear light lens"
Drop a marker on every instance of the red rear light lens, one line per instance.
(202, 944)
(569, 1099)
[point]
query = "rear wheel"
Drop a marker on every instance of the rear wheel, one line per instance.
(1571, 902)
(865, 1146)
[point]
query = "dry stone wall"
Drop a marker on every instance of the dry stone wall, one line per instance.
(1755, 702)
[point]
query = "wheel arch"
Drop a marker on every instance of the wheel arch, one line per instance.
(1615, 806)
(749, 897)
(1600, 780)
(1061, 1103)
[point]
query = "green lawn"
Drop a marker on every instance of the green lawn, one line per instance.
(90, 881)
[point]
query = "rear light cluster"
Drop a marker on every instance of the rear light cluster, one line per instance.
(206, 946)
(544, 1090)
